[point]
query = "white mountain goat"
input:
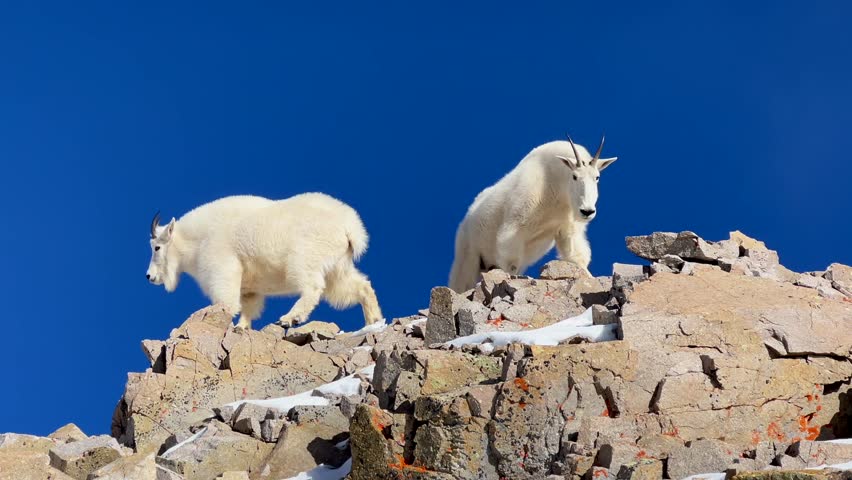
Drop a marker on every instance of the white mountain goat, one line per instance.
(242, 249)
(549, 197)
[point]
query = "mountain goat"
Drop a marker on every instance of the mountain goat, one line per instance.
(241, 249)
(549, 197)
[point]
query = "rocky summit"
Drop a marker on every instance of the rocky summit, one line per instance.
(710, 359)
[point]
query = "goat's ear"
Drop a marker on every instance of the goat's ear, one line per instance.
(571, 162)
(167, 232)
(605, 162)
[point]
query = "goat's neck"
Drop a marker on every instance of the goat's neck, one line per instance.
(183, 254)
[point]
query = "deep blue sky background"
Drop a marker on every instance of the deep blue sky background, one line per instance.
(725, 115)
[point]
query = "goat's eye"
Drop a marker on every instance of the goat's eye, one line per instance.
(575, 177)
(157, 248)
(597, 178)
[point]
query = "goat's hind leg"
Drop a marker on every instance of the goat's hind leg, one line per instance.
(346, 285)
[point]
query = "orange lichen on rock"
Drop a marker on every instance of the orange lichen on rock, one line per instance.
(402, 465)
(497, 322)
(522, 384)
(811, 432)
(774, 432)
(376, 420)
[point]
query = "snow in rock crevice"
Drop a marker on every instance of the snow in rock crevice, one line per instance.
(580, 326)
(323, 472)
(346, 386)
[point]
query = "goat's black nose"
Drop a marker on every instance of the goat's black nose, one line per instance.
(587, 213)
(148, 276)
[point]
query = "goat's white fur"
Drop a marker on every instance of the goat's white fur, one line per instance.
(515, 222)
(241, 249)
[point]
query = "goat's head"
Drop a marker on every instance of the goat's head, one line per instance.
(583, 183)
(161, 269)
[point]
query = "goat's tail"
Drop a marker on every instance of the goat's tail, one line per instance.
(356, 233)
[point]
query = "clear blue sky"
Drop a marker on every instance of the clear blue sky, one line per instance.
(724, 115)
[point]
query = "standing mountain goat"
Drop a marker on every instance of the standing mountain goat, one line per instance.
(548, 198)
(242, 249)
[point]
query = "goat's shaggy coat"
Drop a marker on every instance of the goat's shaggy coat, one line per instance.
(242, 249)
(547, 199)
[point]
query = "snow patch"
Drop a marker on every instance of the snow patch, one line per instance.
(706, 476)
(188, 440)
(372, 328)
(346, 386)
(323, 472)
(840, 441)
(579, 326)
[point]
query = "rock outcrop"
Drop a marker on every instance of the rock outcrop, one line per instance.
(713, 358)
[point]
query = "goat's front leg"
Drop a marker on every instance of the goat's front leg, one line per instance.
(252, 307)
(573, 246)
(310, 292)
(223, 284)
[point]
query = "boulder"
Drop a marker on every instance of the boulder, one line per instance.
(208, 365)
(25, 457)
(310, 439)
(214, 450)
(68, 433)
(80, 458)
(138, 466)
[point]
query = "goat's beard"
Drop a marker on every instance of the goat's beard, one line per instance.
(170, 280)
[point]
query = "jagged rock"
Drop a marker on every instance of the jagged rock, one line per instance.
(68, 433)
(709, 344)
(25, 457)
(247, 419)
(561, 270)
(471, 316)
(78, 459)
(646, 469)
(603, 316)
(441, 325)
(700, 456)
(166, 474)
(724, 365)
(209, 365)
(447, 371)
(314, 330)
(270, 429)
(214, 450)
(139, 466)
(686, 245)
(808, 454)
(841, 278)
(624, 279)
(746, 242)
(309, 440)
(155, 352)
(615, 455)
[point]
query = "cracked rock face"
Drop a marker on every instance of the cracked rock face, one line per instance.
(725, 361)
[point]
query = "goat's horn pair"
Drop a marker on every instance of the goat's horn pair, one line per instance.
(597, 154)
(154, 224)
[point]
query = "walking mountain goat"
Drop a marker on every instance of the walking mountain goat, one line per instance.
(241, 249)
(549, 197)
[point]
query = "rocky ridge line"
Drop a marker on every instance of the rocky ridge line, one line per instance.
(723, 360)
